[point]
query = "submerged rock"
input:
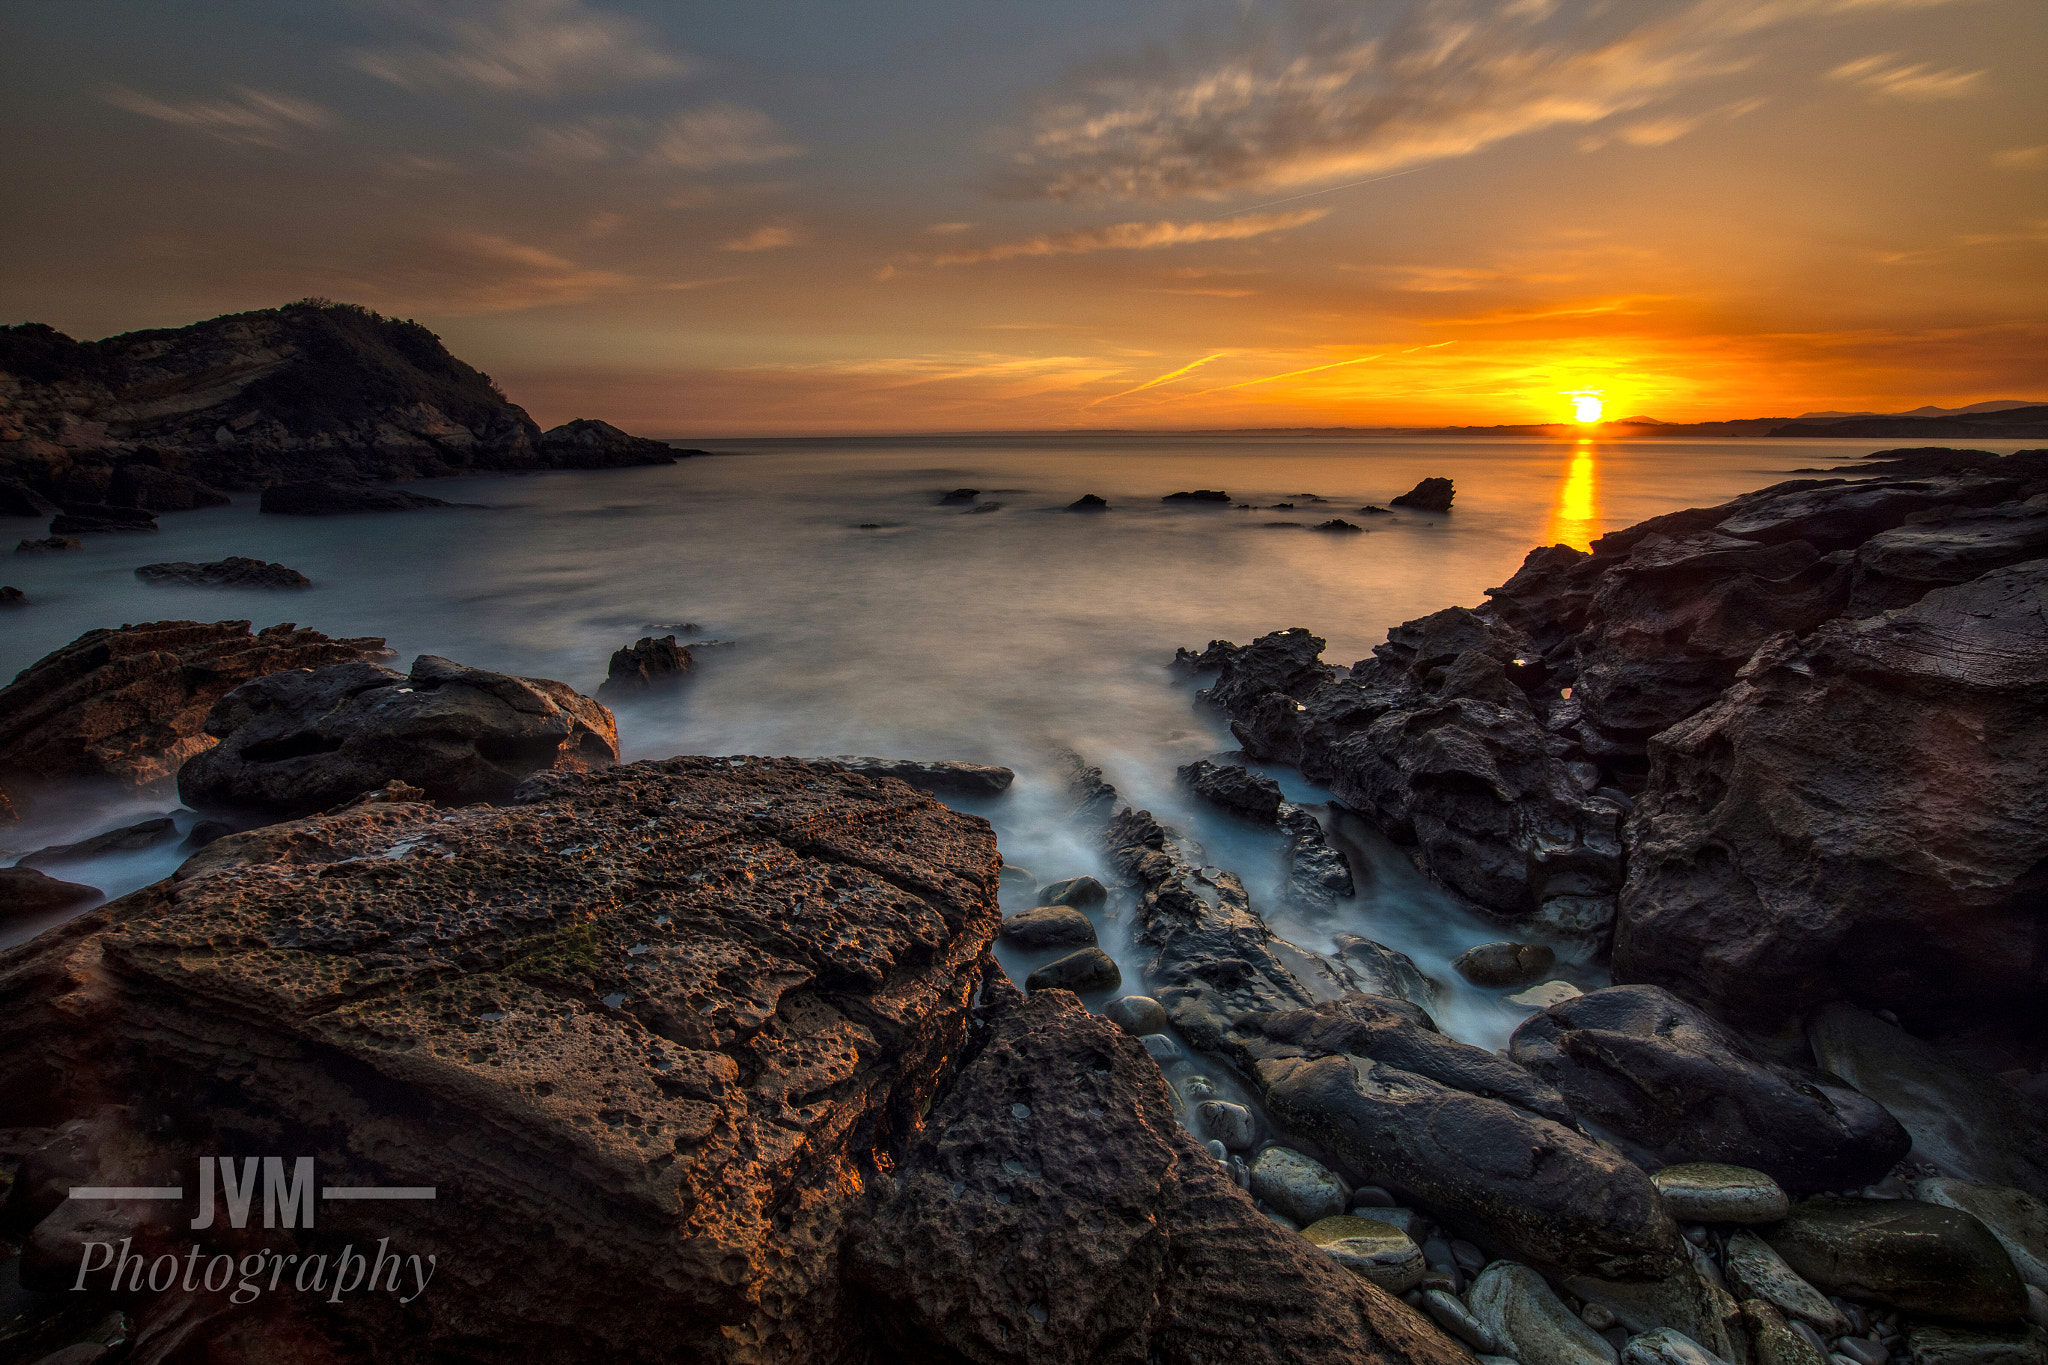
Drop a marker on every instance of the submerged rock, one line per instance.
(1049, 926)
(1136, 1015)
(235, 571)
(1080, 892)
(1083, 971)
(24, 891)
(647, 665)
(49, 545)
(128, 839)
(1505, 964)
(293, 743)
(1919, 1258)
(1431, 495)
(1199, 495)
(1088, 502)
(937, 775)
(96, 518)
(331, 497)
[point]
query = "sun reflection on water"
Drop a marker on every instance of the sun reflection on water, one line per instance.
(1575, 516)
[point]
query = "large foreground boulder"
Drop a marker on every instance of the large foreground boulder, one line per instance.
(1051, 1208)
(620, 1027)
(130, 705)
(293, 743)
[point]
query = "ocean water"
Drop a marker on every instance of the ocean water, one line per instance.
(855, 611)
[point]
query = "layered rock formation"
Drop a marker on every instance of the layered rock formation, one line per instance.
(167, 419)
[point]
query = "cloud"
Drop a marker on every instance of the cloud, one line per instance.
(1136, 237)
(1892, 79)
(254, 118)
(947, 229)
(1319, 95)
(767, 237)
(520, 47)
(701, 139)
(466, 272)
(2020, 158)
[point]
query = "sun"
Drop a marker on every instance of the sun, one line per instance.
(1586, 405)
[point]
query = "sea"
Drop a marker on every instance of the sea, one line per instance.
(838, 601)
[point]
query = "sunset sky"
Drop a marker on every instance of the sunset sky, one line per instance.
(791, 216)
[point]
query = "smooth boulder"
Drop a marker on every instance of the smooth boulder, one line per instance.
(25, 891)
(1710, 1192)
(1049, 926)
(1505, 964)
(1084, 971)
(1667, 1346)
(2017, 1219)
(1298, 1186)
(1918, 1258)
(1080, 892)
(1531, 1323)
(1755, 1270)
(1137, 1015)
(1375, 1252)
(1935, 1343)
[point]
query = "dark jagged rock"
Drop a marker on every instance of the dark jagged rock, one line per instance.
(1052, 1209)
(1920, 1258)
(332, 497)
(49, 544)
(1088, 502)
(1318, 875)
(590, 444)
(618, 1020)
(13, 597)
(1199, 495)
(1371, 510)
(160, 490)
(131, 704)
(1666, 1076)
(932, 774)
(236, 571)
(25, 892)
(647, 665)
(294, 743)
(1337, 524)
(131, 839)
(1234, 788)
(2011, 424)
(98, 518)
(961, 495)
(1431, 495)
(17, 499)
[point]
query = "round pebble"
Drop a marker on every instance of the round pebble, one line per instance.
(1711, 1192)
(1137, 1015)
(1022, 1111)
(1235, 1126)
(1370, 1250)
(1299, 1186)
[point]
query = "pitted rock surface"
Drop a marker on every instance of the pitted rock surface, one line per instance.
(643, 1029)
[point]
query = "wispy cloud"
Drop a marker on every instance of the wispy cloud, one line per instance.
(2020, 158)
(700, 139)
(1136, 237)
(253, 118)
(1166, 378)
(1891, 78)
(520, 47)
(1321, 95)
(767, 237)
(465, 272)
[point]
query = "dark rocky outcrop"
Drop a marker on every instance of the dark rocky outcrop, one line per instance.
(98, 518)
(131, 704)
(169, 418)
(617, 1025)
(236, 571)
(17, 499)
(1234, 788)
(294, 743)
(932, 774)
(1088, 502)
(48, 545)
(1503, 964)
(1667, 1077)
(129, 839)
(1052, 1209)
(332, 497)
(13, 597)
(24, 892)
(1198, 495)
(2009, 424)
(647, 665)
(1336, 524)
(1431, 495)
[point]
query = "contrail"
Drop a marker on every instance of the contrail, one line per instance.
(1151, 383)
(1334, 188)
(1243, 383)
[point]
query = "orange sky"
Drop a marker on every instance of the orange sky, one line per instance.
(699, 221)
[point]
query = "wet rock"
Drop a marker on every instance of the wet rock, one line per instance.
(13, 597)
(25, 892)
(129, 839)
(1919, 1258)
(1546, 994)
(1136, 1015)
(1089, 969)
(161, 490)
(647, 665)
(1163, 1049)
(1199, 495)
(1079, 892)
(934, 775)
(590, 444)
(1667, 1346)
(1337, 524)
(332, 497)
(48, 545)
(1431, 495)
(1686, 1302)
(235, 571)
(1504, 964)
(2037, 1306)
(1317, 874)
(1374, 1252)
(98, 518)
(1050, 926)
(1452, 1315)
(2017, 1219)
(1234, 788)
(1772, 1339)
(961, 495)
(1971, 1123)
(1385, 971)
(1233, 1125)
(1156, 1255)
(1299, 1186)
(1088, 502)
(298, 742)
(1942, 547)
(1708, 1192)
(1530, 1322)
(1932, 1343)
(441, 975)
(1756, 1271)
(204, 832)
(1666, 1075)
(131, 704)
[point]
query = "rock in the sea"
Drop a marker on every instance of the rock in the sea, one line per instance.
(1756, 1271)
(1710, 1192)
(1971, 1123)
(1082, 971)
(1530, 1322)
(1545, 994)
(1505, 964)
(1234, 788)
(1666, 1075)
(128, 839)
(1080, 892)
(13, 597)
(1088, 502)
(160, 490)
(1010, 1239)
(646, 665)
(934, 775)
(17, 499)
(331, 497)
(131, 704)
(1938, 1343)
(49, 545)
(1375, 1252)
(1136, 1015)
(1919, 1258)
(586, 443)
(1198, 495)
(1049, 926)
(1298, 1186)
(236, 571)
(293, 743)
(98, 518)
(1431, 495)
(620, 1015)
(2017, 1219)
(1667, 1346)
(24, 892)
(1336, 524)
